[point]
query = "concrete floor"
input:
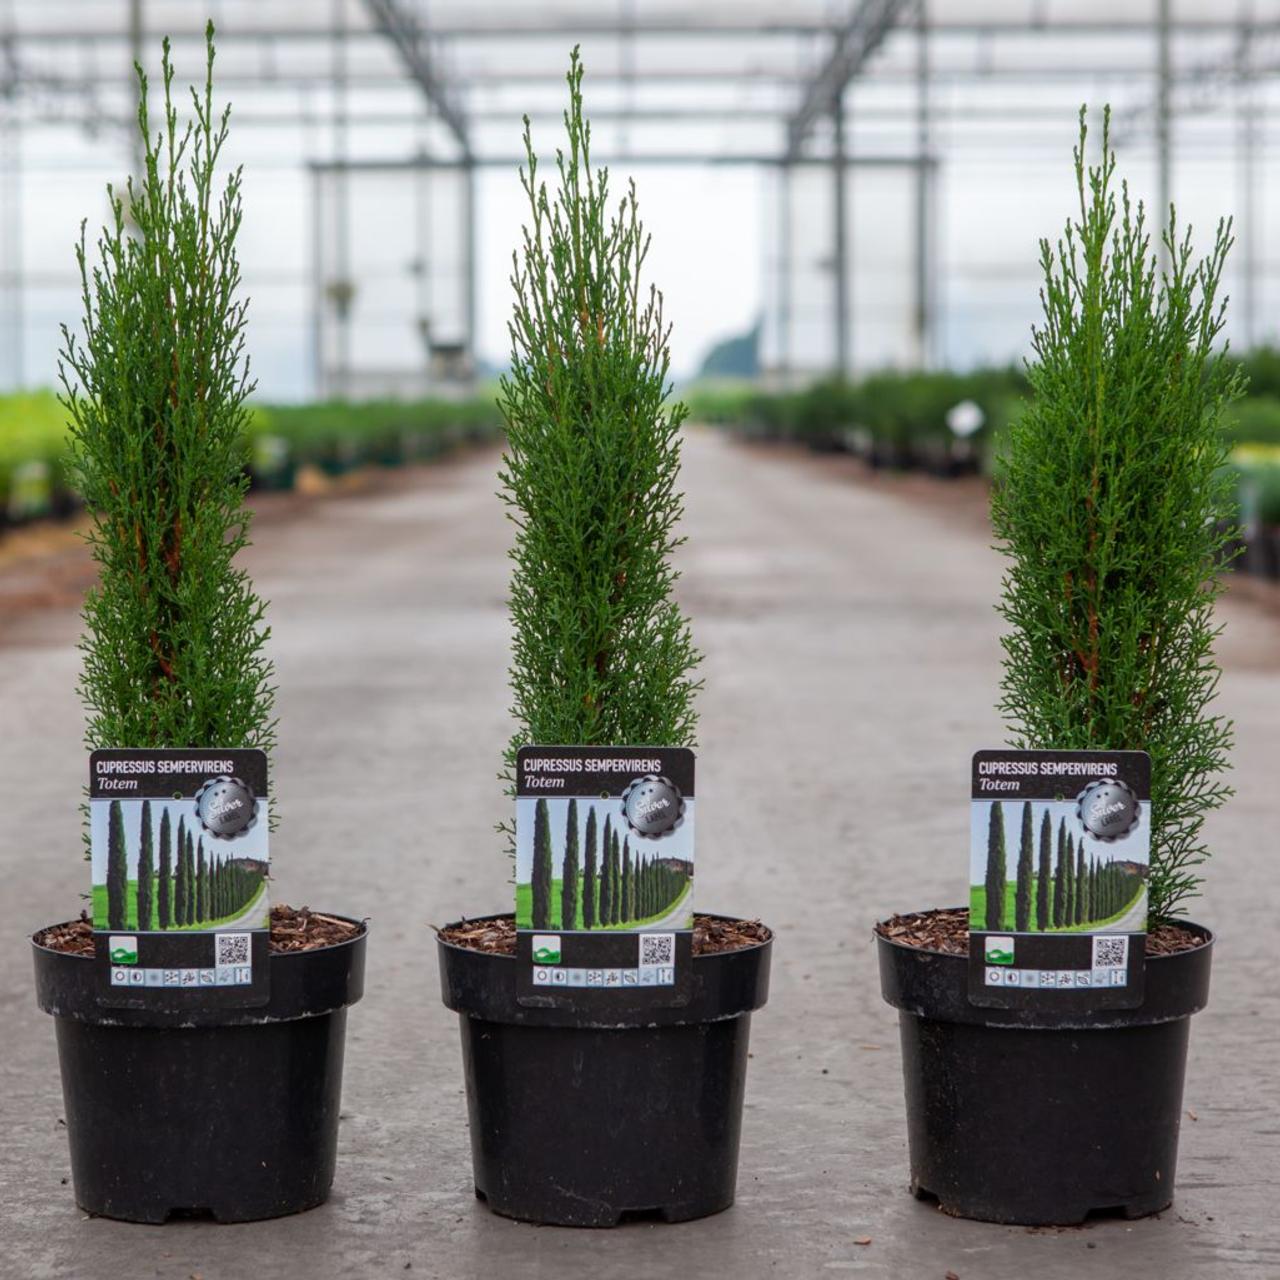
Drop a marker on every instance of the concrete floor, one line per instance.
(851, 663)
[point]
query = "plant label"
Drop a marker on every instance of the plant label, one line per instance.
(1059, 858)
(178, 843)
(604, 877)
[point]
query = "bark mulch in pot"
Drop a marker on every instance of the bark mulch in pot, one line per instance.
(710, 935)
(292, 929)
(947, 931)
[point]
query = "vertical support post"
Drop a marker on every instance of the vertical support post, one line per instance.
(469, 256)
(137, 36)
(422, 255)
(1247, 178)
(922, 275)
(342, 287)
(785, 271)
(319, 381)
(840, 256)
(11, 282)
(1164, 144)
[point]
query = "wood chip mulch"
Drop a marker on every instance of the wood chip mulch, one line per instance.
(291, 930)
(710, 935)
(948, 931)
(294, 929)
(75, 937)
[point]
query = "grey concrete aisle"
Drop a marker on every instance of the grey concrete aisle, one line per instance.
(851, 662)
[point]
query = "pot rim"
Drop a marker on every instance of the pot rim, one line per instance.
(1207, 937)
(273, 956)
(931, 984)
(324, 980)
(442, 941)
(724, 984)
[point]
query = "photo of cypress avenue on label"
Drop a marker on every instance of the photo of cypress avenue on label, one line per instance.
(1058, 862)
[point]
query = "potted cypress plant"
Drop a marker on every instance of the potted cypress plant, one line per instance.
(1114, 511)
(217, 1099)
(587, 1118)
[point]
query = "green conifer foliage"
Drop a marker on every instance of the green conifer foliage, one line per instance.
(628, 885)
(202, 884)
(1026, 872)
(1060, 877)
(569, 871)
(601, 653)
(164, 874)
(180, 876)
(189, 878)
(604, 909)
(117, 869)
(996, 870)
(542, 867)
(1115, 511)
(1069, 885)
(155, 383)
(146, 868)
(1082, 887)
(616, 881)
(589, 874)
(1044, 875)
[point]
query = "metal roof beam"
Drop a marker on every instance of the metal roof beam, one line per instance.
(405, 35)
(856, 41)
(712, 159)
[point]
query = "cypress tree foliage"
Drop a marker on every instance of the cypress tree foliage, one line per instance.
(1082, 887)
(1026, 872)
(589, 873)
(628, 885)
(569, 871)
(1060, 878)
(189, 916)
(164, 874)
(1069, 888)
(180, 877)
(202, 886)
(146, 868)
(1044, 874)
(542, 868)
(996, 871)
(606, 883)
(601, 653)
(615, 880)
(117, 869)
(155, 382)
(155, 385)
(1114, 507)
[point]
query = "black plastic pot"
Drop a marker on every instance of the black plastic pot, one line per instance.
(229, 1114)
(583, 1123)
(1037, 1118)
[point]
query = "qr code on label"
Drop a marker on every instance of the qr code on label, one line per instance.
(233, 948)
(1110, 953)
(657, 948)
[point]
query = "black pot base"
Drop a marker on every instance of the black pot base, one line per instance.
(229, 1115)
(581, 1124)
(1135, 1209)
(1035, 1117)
